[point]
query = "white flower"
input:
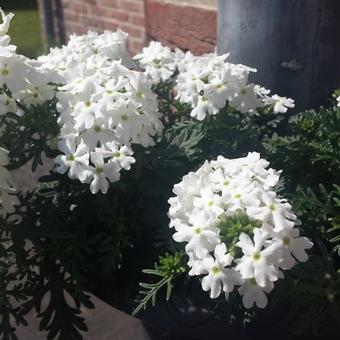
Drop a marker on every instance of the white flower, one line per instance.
(158, 61)
(252, 293)
(273, 212)
(257, 262)
(6, 20)
(14, 72)
(338, 100)
(101, 173)
(122, 156)
(209, 202)
(219, 276)
(293, 247)
(75, 158)
(280, 104)
(200, 234)
(98, 133)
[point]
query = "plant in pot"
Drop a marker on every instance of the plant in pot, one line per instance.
(108, 138)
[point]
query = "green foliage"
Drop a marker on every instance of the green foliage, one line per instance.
(231, 228)
(334, 232)
(310, 152)
(67, 240)
(31, 135)
(168, 269)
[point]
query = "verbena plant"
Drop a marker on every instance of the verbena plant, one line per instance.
(110, 136)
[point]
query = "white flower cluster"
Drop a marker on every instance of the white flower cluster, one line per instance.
(104, 108)
(84, 52)
(226, 257)
(20, 80)
(338, 101)
(8, 199)
(208, 82)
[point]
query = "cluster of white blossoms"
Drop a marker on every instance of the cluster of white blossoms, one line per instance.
(238, 232)
(88, 51)
(20, 81)
(104, 108)
(8, 198)
(208, 82)
(338, 101)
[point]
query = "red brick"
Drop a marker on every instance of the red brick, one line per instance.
(132, 6)
(138, 20)
(107, 13)
(133, 31)
(78, 8)
(120, 15)
(71, 17)
(110, 25)
(92, 2)
(108, 3)
(186, 27)
(135, 47)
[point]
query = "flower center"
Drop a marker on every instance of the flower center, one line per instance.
(117, 154)
(272, 207)
(198, 230)
(216, 270)
(99, 170)
(238, 196)
(125, 117)
(286, 241)
(205, 80)
(226, 183)
(97, 129)
(5, 71)
(252, 282)
(210, 203)
(88, 103)
(70, 158)
(257, 256)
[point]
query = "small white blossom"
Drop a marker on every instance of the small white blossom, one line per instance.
(75, 158)
(280, 104)
(219, 277)
(258, 262)
(252, 293)
(293, 247)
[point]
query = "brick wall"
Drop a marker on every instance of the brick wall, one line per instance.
(188, 24)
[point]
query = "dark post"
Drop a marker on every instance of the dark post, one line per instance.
(294, 44)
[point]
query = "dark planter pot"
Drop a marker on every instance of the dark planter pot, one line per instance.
(191, 315)
(294, 44)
